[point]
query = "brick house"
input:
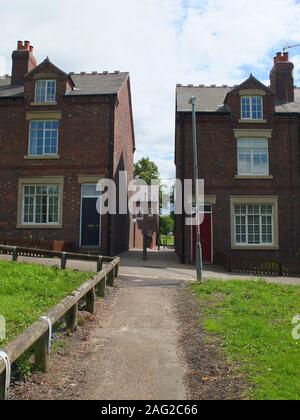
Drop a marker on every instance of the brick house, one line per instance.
(59, 135)
(248, 151)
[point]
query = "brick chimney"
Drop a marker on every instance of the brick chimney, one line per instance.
(282, 79)
(23, 61)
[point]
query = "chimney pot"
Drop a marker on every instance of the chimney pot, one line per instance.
(23, 61)
(285, 56)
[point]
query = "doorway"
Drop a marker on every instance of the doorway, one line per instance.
(90, 232)
(206, 237)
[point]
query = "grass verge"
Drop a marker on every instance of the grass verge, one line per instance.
(28, 291)
(254, 322)
(167, 240)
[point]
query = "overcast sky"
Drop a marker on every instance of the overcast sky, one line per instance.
(161, 43)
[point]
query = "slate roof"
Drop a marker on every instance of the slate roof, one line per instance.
(6, 90)
(211, 99)
(98, 84)
(85, 84)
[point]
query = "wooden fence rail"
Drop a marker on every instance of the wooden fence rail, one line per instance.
(36, 337)
(18, 251)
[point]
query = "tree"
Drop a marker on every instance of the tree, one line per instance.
(146, 170)
(166, 225)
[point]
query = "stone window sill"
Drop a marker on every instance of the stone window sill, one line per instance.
(39, 226)
(42, 157)
(255, 248)
(252, 121)
(262, 177)
(43, 103)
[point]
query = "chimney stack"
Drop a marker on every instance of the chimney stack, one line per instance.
(23, 61)
(282, 79)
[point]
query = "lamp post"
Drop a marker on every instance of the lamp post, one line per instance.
(196, 177)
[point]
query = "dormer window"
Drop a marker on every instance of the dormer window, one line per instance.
(45, 91)
(252, 108)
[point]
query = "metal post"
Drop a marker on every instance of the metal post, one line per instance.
(196, 178)
(145, 256)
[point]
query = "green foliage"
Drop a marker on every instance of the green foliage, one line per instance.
(166, 225)
(253, 320)
(24, 366)
(28, 291)
(146, 170)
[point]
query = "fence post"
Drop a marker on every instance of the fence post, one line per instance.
(15, 254)
(229, 267)
(110, 276)
(71, 319)
(117, 267)
(2, 386)
(280, 269)
(99, 264)
(41, 353)
(90, 301)
(63, 261)
(101, 288)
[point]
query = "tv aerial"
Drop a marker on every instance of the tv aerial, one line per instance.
(287, 47)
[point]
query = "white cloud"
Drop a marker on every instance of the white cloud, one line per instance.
(2, 65)
(161, 43)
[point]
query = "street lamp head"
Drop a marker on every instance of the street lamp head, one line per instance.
(192, 100)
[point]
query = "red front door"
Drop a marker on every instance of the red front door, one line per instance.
(206, 239)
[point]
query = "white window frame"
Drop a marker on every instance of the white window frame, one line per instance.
(252, 150)
(255, 200)
(47, 99)
(47, 223)
(251, 118)
(44, 138)
(247, 215)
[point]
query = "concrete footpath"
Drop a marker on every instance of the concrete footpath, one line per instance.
(164, 265)
(161, 265)
(141, 358)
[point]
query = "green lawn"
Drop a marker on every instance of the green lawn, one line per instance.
(167, 240)
(254, 322)
(27, 291)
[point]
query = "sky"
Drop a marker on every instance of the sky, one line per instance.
(161, 43)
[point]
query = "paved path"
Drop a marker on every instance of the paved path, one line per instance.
(140, 359)
(161, 265)
(165, 265)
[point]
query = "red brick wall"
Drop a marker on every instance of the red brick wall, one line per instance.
(85, 132)
(217, 153)
(123, 161)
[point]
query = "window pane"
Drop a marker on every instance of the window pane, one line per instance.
(253, 157)
(252, 107)
(41, 204)
(40, 91)
(256, 227)
(257, 108)
(43, 138)
(244, 162)
(260, 162)
(45, 90)
(90, 190)
(246, 108)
